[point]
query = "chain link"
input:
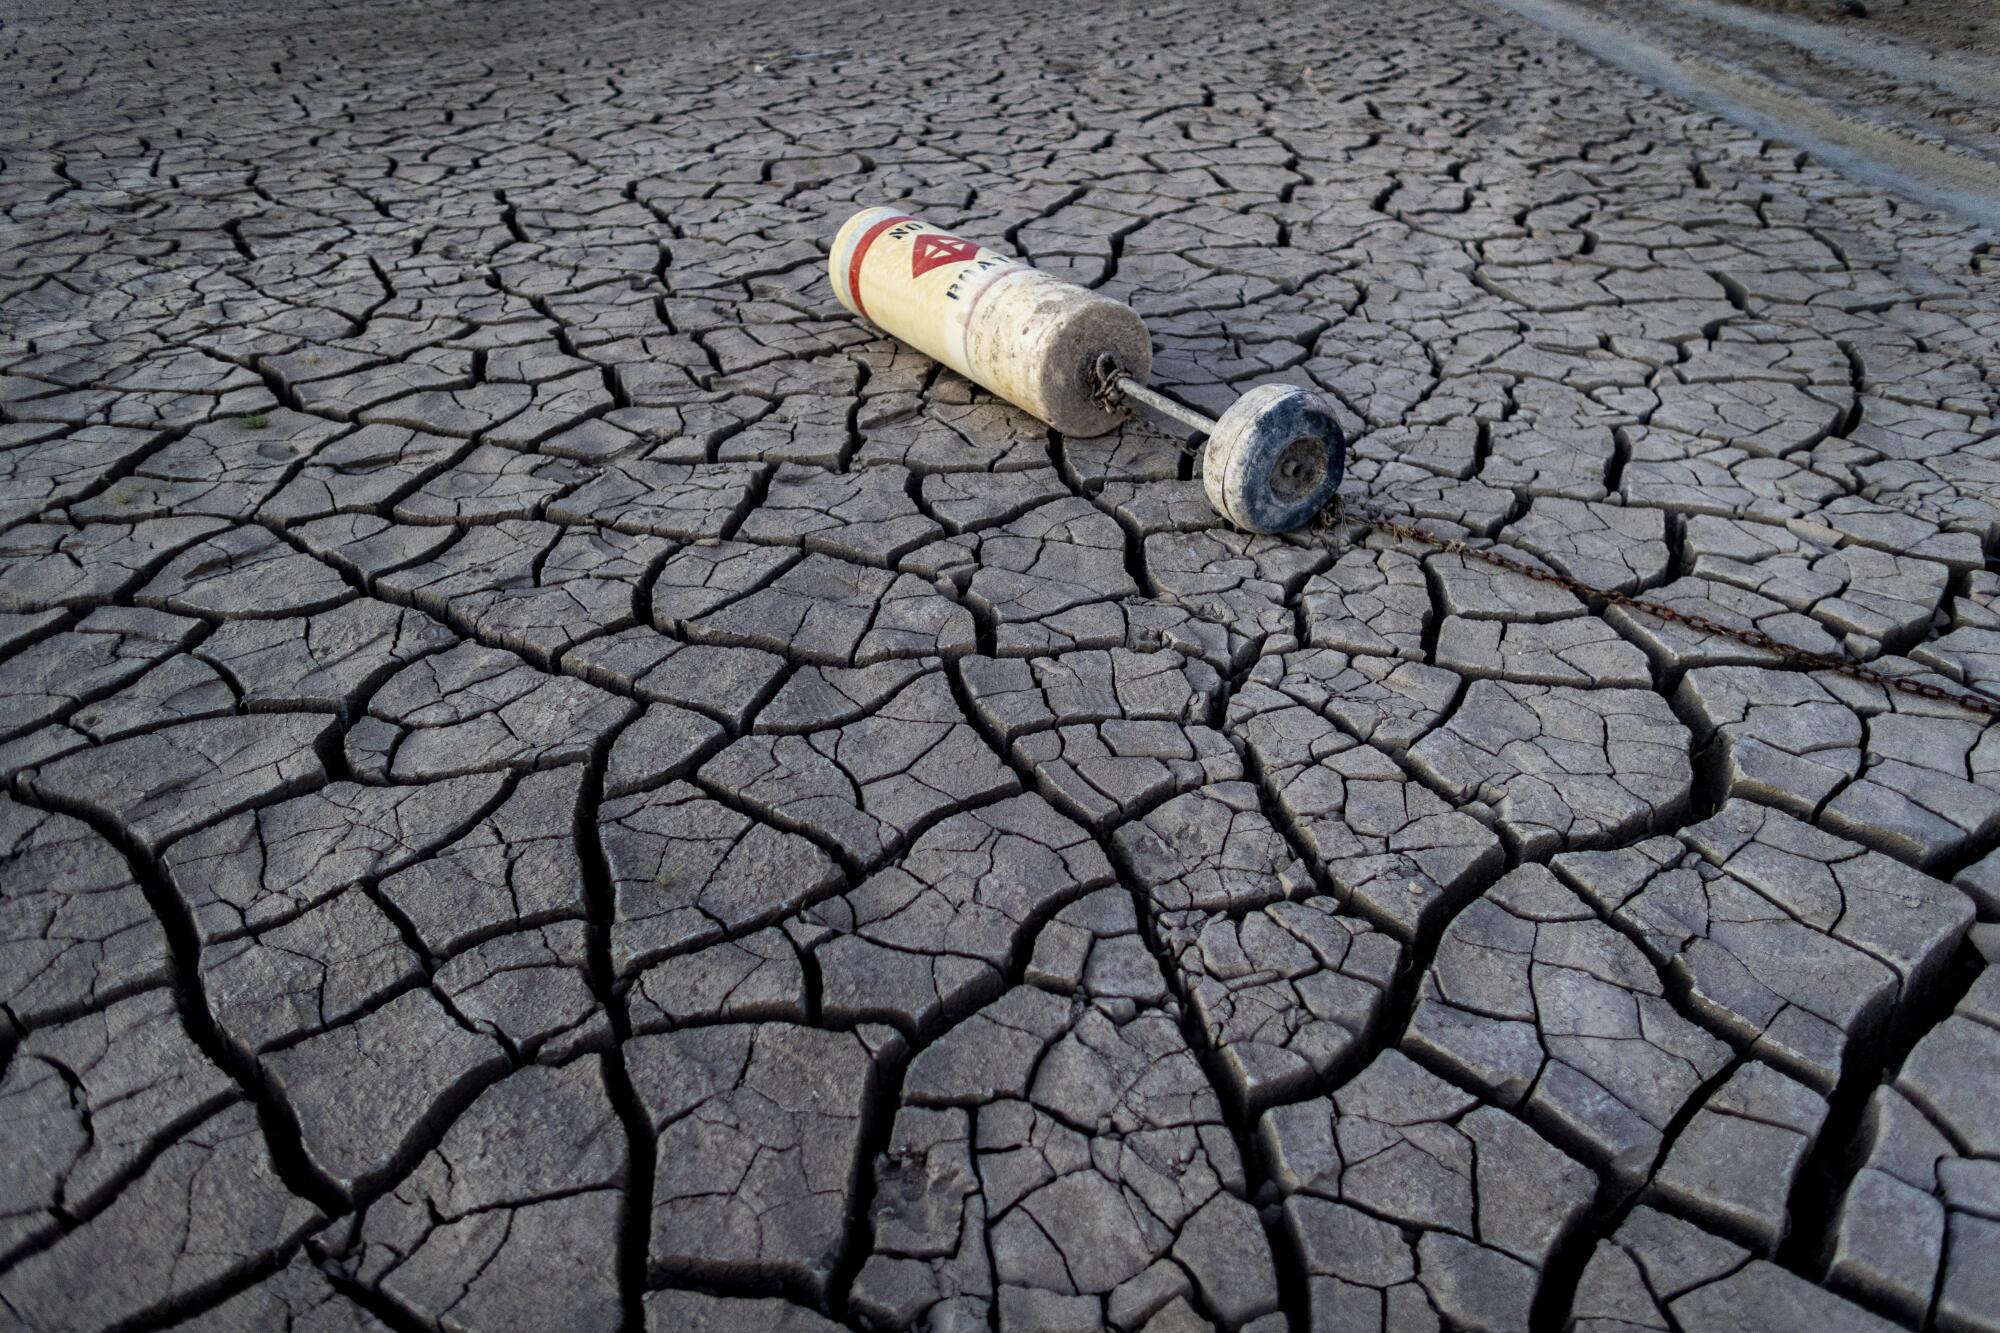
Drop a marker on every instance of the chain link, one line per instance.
(1330, 518)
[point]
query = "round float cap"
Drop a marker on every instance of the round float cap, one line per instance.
(1274, 459)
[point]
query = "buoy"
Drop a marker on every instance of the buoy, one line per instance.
(1028, 337)
(1075, 360)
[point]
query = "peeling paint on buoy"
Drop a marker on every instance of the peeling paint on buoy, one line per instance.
(1030, 338)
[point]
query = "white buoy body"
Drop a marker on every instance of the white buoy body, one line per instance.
(1033, 339)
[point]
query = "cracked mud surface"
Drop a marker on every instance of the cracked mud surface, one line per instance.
(552, 779)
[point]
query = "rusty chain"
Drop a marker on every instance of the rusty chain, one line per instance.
(1330, 518)
(1110, 393)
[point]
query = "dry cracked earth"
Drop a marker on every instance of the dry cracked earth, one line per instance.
(553, 780)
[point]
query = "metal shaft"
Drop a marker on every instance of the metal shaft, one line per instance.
(1127, 387)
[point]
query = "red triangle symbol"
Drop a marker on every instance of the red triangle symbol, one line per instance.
(935, 248)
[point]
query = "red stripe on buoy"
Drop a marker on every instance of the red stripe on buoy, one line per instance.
(860, 252)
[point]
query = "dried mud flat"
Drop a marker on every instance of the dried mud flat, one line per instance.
(553, 780)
